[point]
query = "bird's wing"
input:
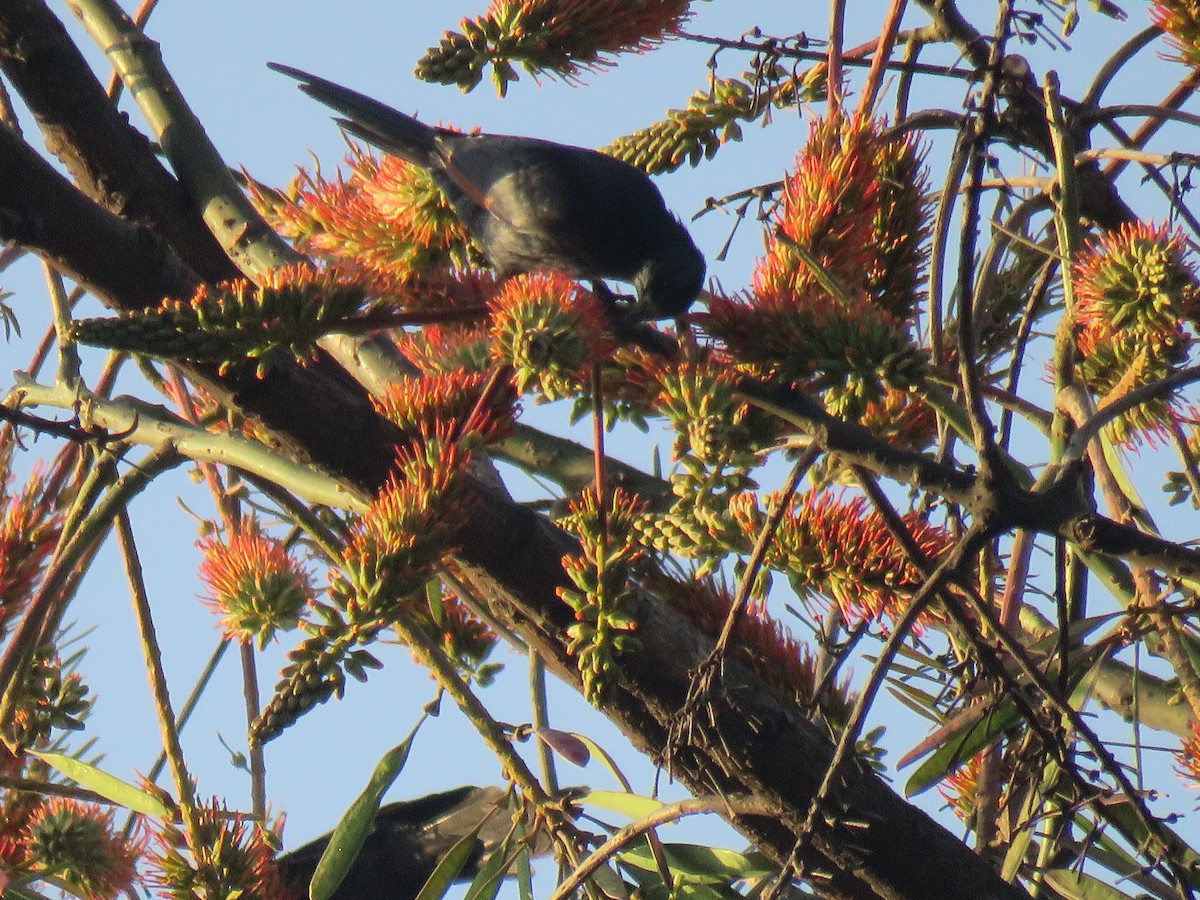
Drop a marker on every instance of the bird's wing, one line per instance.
(475, 192)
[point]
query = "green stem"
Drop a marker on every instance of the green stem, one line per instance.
(258, 763)
(1065, 193)
(154, 427)
(245, 237)
(68, 356)
(185, 713)
(184, 788)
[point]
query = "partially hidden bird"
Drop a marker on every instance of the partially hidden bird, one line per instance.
(406, 842)
(534, 205)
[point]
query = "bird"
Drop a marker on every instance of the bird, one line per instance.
(406, 842)
(534, 205)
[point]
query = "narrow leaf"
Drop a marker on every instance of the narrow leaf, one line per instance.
(487, 883)
(1079, 886)
(108, 786)
(708, 863)
(609, 763)
(947, 757)
(633, 806)
(351, 832)
(449, 867)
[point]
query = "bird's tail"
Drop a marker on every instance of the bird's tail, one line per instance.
(376, 123)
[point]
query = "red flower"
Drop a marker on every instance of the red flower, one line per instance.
(77, 843)
(550, 331)
(960, 787)
(449, 400)
(844, 551)
(759, 642)
(1180, 19)
(227, 857)
(29, 529)
(561, 37)
(387, 216)
(1187, 759)
(855, 205)
(254, 583)
(441, 348)
(407, 528)
(1136, 289)
(1139, 276)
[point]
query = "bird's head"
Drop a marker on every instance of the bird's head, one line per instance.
(671, 280)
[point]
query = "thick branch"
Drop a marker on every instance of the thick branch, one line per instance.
(110, 160)
(126, 264)
(1063, 508)
(760, 745)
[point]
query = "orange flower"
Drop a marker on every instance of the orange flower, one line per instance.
(15, 809)
(52, 698)
(697, 394)
(29, 529)
(1187, 759)
(609, 550)
(855, 204)
(77, 843)
(436, 290)
(407, 528)
(447, 348)
(859, 349)
(844, 551)
(550, 331)
(759, 641)
(960, 787)
(465, 637)
(584, 30)
(254, 583)
(902, 418)
(1180, 19)
(447, 400)
(559, 37)
(1136, 288)
(1139, 276)
(227, 857)
(387, 216)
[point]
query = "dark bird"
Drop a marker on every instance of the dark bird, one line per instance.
(533, 205)
(407, 841)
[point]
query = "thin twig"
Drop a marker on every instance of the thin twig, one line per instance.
(887, 40)
(184, 788)
(664, 815)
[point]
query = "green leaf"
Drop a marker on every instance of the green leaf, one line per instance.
(1019, 846)
(108, 786)
(449, 866)
(705, 863)
(524, 876)
(1121, 815)
(909, 696)
(487, 883)
(963, 747)
(1110, 854)
(610, 883)
(690, 890)
(947, 757)
(351, 832)
(1078, 886)
(633, 806)
(601, 754)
